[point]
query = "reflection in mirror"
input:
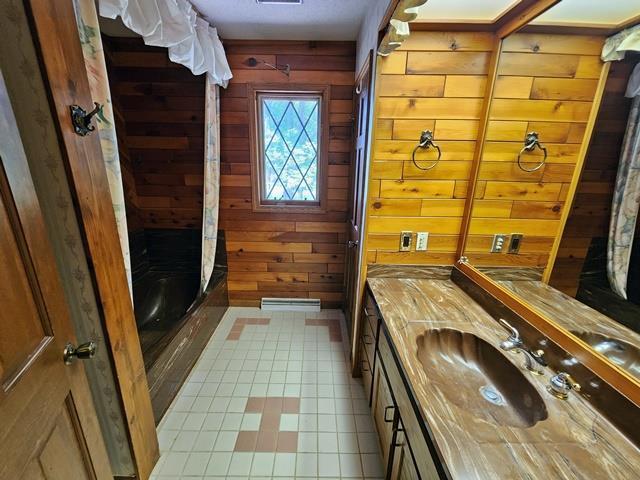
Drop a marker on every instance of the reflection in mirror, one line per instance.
(542, 221)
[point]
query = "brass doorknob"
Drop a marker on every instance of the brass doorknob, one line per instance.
(84, 351)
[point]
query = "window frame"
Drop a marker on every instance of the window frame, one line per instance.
(287, 91)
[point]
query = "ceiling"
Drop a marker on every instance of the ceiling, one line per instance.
(567, 12)
(591, 12)
(313, 20)
(248, 20)
(461, 10)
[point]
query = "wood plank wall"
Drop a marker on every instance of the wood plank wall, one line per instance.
(274, 254)
(434, 81)
(160, 115)
(546, 83)
(591, 210)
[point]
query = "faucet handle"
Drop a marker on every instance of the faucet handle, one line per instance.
(514, 334)
(561, 384)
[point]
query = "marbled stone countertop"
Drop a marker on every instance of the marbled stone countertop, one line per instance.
(573, 442)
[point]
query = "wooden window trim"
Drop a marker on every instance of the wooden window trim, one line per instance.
(260, 205)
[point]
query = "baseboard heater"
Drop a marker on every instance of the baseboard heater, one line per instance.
(291, 304)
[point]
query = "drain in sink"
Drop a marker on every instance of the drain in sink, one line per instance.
(490, 394)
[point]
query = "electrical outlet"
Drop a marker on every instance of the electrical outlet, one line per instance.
(498, 242)
(515, 242)
(405, 241)
(422, 238)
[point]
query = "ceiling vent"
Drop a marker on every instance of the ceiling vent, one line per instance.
(280, 2)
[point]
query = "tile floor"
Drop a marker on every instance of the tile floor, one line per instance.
(271, 397)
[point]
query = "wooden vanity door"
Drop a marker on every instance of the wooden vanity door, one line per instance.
(384, 410)
(48, 427)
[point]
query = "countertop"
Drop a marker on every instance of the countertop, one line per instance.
(573, 442)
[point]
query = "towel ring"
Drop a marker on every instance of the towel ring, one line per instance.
(426, 141)
(531, 141)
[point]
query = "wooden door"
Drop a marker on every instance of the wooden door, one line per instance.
(358, 200)
(48, 427)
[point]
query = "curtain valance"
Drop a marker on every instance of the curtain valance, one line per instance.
(616, 46)
(174, 24)
(398, 30)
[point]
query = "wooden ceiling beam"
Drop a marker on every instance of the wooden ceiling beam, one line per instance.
(521, 15)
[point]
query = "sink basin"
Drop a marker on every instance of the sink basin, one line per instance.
(474, 375)
(617, 351)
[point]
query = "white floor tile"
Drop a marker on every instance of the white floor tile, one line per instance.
(328, 465)
(251, 422)
(196, 464)
(219, 463)
(262, 464)
(184, 441)
(348, 443)
(284, 465)
(289, 422)
(193, 421)
(307, 465)
(327, 442)
(307, 442)
(225, 441)
(213, 421)
(205, 441)
(174, 463)
(240, 464)
(308, 422)
(350, 465)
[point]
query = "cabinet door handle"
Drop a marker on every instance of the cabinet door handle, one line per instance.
(386, 409)
(366, 312)
(365, 337)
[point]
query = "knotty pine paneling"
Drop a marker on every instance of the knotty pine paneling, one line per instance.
(435, 81)
(160, 122)
(591, 209)
(546, 83)
(281, 254)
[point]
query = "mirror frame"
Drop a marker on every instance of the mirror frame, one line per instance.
(612, 374)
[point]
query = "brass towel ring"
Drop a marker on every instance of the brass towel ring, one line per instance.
(531, 141)
(426, 141)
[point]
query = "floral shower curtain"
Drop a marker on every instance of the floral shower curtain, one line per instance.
(89, 31)
(626, 196)
(211, 189)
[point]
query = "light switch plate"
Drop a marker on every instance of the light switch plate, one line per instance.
(405, 241)
(515, 242)
(422, 239)
(498, 242)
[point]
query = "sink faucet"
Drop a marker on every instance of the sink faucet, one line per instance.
(561, 384)
(514, 343)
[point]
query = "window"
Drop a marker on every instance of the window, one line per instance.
(288, 158)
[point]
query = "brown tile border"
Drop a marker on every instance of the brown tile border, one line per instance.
(239, 323)
(335, 331)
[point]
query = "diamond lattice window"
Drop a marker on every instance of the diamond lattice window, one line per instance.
(289, 130)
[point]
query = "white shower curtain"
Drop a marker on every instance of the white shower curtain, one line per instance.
(89, 32)
(211, 188)
(626, 196)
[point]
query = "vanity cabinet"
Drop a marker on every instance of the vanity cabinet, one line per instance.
(401, 431)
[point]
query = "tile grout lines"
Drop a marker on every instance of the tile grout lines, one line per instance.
(271, 397)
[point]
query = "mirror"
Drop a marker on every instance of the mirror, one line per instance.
(541, 210)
